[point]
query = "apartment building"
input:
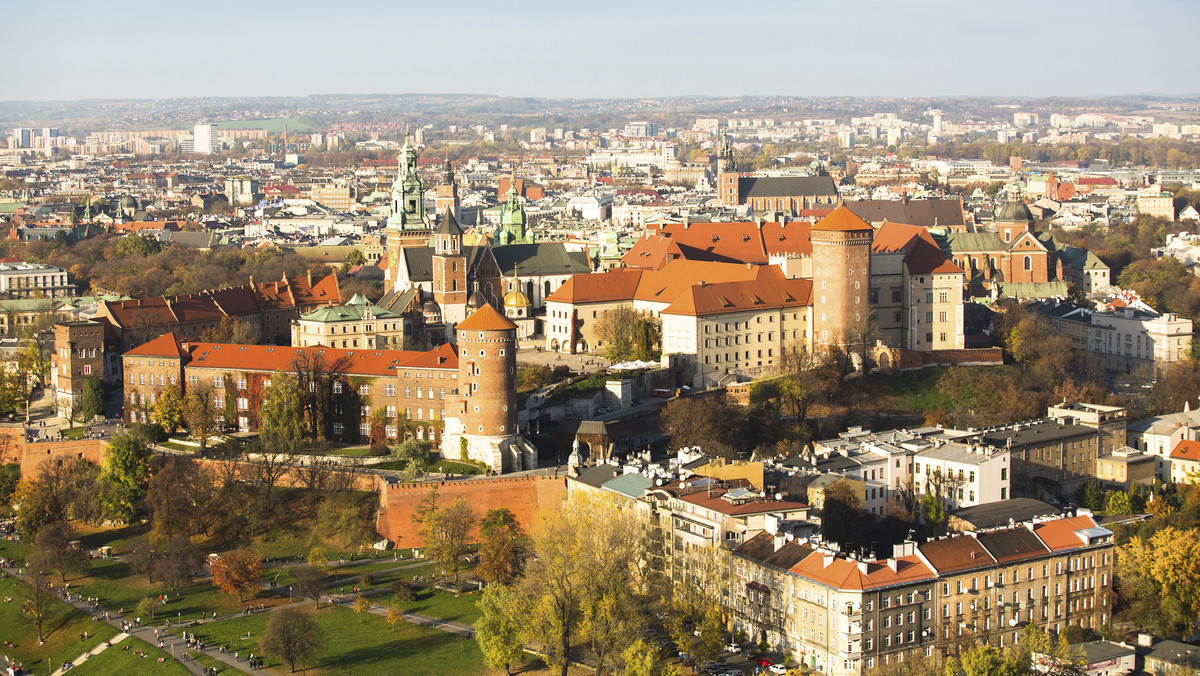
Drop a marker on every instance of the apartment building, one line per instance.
(1050, 456)
(1159, 435)
(843, 615)
(1134, 341)
(358, 324)
(34, 280)
(963, 475)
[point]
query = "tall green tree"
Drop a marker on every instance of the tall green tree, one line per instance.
(93, 398)
(125, 476)
(499, 628)
(282, 428)
(445, 531)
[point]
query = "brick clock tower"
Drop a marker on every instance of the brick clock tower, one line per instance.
(408, 225)
(841, 250)
(481, 420)
(450, 271)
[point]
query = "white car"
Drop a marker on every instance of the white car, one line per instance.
(733, 648)
(777, 669)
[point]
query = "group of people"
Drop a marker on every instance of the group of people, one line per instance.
(248, 610)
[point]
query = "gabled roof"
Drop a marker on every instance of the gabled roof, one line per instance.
(486, 318)
(1063, 534)
(418, 260)
(842, 573)
(265, 358)
(967, 242)
(956, 553)
(664, 286)
(166, 345)
(926, 213)
(1012, 544)
(1186, 450)
(761, 548)
(540, 259)
(786, 186)
(608, 286)
(769, 290)
(922, 254)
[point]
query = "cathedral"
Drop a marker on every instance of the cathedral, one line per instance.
(432, 272)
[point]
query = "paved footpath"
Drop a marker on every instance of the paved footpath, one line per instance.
(92, 653)
(177, 647)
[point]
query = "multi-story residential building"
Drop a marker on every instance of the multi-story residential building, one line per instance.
(1185, 462)
(204, 139)
(335, 197)
(1050, 456)
(1158, 204)
(1159, 435)
(1124, 468)
(963, 475)
(842, 615)
(34, 280)
(357, 324)
(1133, 341)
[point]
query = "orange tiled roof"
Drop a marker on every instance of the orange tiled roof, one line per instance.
(842, 219)
(956, 553)
(486, 318)
(619, 284)
(664, 286)
(1060, 534)
(266, 358)
(1186, 450)
(770, 289)
(843, 573)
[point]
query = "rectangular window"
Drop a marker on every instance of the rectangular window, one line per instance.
(364, 390)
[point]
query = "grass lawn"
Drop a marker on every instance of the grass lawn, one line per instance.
(177, 447)
(361, 644)
(114, 660)
(72, 433)
(119, 587)
(396, 465)
(14, 550)
(456, 467)
(446, 606)
(61, 629)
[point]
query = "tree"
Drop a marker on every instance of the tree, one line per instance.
(1118, 503)
(626, 333)
(361, 604)
(1089, 495)
(500, 546)
(33, 364)
(842, 515)
(148, 608)
(37, 600)
(310, 583)
(499, 627)
(236, 572)
(395, 615)
(640, 659)
(1162, 573)
(177, 568)
(445, 531)
(282, 428)
(293, 636)
(182, 497)
(55, 549)
(125, 474)
(93, 398)
(403, 591)
(415, 453)
(315, 377)
(201, 414)
(168, 410)
(703, 421)
(10, 476)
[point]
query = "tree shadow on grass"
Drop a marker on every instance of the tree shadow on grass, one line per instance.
(398, 648)
(101, 538)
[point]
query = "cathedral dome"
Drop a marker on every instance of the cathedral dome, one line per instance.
(476, 301)
(1014, 211)
(515, 299)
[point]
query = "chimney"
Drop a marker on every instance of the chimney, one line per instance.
(779, 541)
(893, 564)
(862, 567)
(828, 560)
(309, 275)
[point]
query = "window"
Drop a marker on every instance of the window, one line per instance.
(218, 381)
(337, 387)
(1029, 262)
(241, 382)
(389, 390)
(364, 390)
(243, 404)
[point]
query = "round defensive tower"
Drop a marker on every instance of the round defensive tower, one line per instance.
(841, 251)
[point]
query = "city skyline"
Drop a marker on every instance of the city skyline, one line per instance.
(617, 49)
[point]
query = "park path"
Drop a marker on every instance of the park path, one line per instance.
(91, 653)
(177, 646)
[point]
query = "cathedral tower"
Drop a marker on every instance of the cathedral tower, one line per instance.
(481, 419)
(449, 271)
(447, 192)
(841, 251)
(408, 225)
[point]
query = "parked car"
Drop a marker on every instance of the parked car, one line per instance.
(777, 669)
(733, 648)
(764, 662)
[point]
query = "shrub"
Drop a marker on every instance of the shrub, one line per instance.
(403, 591)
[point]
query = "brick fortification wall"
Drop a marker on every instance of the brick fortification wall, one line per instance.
(13, 448)
(907, 359)
(524, 496)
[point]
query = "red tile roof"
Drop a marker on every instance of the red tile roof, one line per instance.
(843, 573)
(716, 503)
(619, 284)
(769, 290)
(843, 220)
(956, 553)
(1186, 450)
(486, 318)
(1059, 534)
(265, 358)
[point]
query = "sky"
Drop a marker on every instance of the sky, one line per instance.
(77, 49)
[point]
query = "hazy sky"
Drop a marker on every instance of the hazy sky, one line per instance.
(71, 49)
